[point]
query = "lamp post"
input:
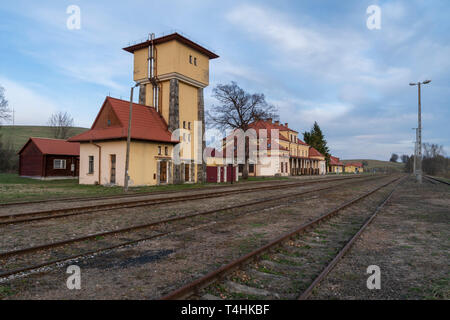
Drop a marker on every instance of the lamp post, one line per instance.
(419, 135)
(415, 152)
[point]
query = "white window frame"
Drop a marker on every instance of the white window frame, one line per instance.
(62, 164)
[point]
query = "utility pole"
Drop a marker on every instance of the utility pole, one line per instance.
(419, 134)
(127, 160)
(415, 152)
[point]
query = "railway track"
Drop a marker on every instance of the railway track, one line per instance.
(437, 180)
(72, 211)
(282, 269)
(114, 241)
(142, 194)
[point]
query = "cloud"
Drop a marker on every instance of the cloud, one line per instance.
(31, 108)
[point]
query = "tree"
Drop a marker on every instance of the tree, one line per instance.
(394, 157)
(434, 161)
(316, 139)
(61, 123)
(4, 110)
(237, 109)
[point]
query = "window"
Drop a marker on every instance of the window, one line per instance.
(184, 124)
(109, 122)
(91, 164)
(195, 61)
(251, 168)
(190, 59)
(166, 151)
(159, 150)
(189, 125)
(59, 164)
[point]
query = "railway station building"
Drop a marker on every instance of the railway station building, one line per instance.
(354, 167)
(285, 154)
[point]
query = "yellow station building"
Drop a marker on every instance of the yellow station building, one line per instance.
(354, 167)
(171, 72)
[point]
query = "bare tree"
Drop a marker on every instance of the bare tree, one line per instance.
(434, 161)
(5, 113)
(61, 123)
(237, 109)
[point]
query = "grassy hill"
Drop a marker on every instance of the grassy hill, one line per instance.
(18, 135)
(379, 165)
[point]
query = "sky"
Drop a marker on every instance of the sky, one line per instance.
(315, 60)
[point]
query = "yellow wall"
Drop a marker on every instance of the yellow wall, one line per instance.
(107, 148)
(173, 56)
(352, 169)
(143, 158)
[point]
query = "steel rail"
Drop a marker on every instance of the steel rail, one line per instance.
(194, 287)
(345, 249)
(147, 225)
(66, 212)
(124, 244)
(437, 180)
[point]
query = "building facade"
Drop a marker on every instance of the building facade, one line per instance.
(44, 158)
(354, 167)
(171, 72)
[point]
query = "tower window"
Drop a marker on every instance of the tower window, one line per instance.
(190, 59)
(184, 124)
(195, 61)
(189, 125)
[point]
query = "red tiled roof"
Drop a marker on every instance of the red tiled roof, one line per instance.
(146, 124)
(355, 164)
(334, 161)
(314, 153)
(55, 146)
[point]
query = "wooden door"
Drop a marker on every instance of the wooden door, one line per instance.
(113, 169)
(186, 172)
(163, 172)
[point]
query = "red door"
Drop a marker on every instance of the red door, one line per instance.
(211, 174)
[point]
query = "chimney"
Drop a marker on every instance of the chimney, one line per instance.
(277, 122)
(286, 124)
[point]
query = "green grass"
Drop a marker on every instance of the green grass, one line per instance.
(379, 165)
(19, 135)
(14, 188)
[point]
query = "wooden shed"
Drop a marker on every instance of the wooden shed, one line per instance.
(49, 159)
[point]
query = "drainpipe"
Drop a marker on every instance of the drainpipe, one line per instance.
(99, 162)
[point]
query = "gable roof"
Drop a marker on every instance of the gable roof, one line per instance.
(174, 36)
(314, 153)
(54, 146)
(335, 161)
(355, 164)
(146, 124)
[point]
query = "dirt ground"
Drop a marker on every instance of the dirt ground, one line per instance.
(410, 242)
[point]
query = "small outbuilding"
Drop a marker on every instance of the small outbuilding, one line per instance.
(45, 158)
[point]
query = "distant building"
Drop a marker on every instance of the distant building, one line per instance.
(45, 158)
(354, 167)
(335, 165)
(320, 165)
(286, 154)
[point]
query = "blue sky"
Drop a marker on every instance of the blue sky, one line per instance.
(315, 60)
